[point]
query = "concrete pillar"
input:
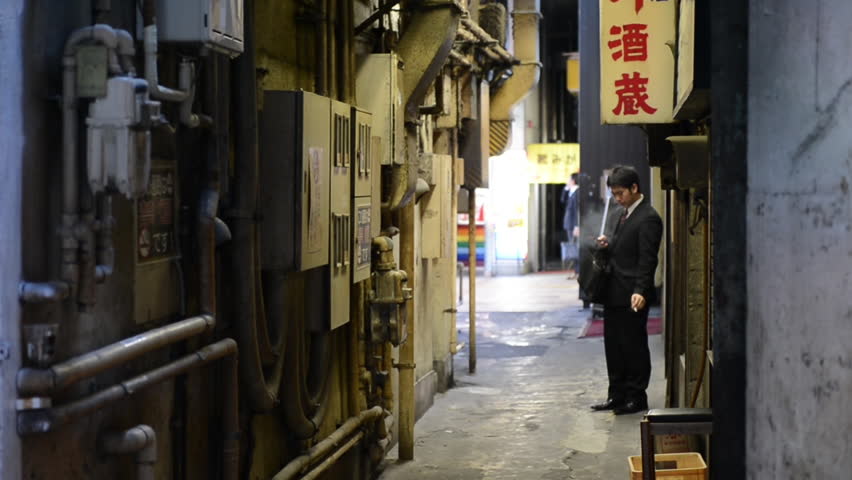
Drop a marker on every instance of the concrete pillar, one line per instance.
(799, 251)
(11, 180)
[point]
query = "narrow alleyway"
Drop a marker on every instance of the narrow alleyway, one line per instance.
(525, 413)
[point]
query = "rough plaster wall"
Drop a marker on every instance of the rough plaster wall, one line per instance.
(799, 360)
(11, 149)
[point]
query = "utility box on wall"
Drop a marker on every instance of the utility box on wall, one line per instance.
(379, 91)
(155, 278)
(217, 24)
(364, 175)
(294, 180)
(341, 218)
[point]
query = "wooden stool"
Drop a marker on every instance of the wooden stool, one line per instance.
(670, 421)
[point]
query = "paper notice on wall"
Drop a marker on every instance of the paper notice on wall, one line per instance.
(315, 190)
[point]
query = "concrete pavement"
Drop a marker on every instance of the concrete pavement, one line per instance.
(525, 413)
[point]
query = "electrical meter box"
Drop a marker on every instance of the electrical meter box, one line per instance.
(217, 24)
(340, 267)
(295, 159)
(365, 180)
(379, 91)
(362, 134)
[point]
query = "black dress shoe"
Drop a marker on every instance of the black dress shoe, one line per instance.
(632, 406)
(609, 404)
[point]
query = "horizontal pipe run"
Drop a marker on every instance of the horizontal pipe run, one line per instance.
(333, 458)
(43, 382)
(31, 422)
(326, 445)
(31, 292)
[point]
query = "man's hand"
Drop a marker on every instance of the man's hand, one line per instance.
(637, 302)
(576, 231)
(602, 241)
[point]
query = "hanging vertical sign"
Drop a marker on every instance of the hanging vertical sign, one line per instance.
(637, 60)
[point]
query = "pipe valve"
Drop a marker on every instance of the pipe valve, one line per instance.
(389, 297)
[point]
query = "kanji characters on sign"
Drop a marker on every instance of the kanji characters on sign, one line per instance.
(631, 44)
(632, 96)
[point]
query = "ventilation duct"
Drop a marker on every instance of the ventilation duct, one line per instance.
(525, 30)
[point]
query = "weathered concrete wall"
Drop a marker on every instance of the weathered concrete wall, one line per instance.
(799, 240)
(11, 152)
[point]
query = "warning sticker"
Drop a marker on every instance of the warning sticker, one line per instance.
(155, 214)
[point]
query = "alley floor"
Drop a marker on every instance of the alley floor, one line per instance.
(525, 413)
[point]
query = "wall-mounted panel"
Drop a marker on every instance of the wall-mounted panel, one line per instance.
(341, 219)
(294, 180)
(379, 91)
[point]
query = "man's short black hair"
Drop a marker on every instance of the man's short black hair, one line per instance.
(575, 177)
(624, 177)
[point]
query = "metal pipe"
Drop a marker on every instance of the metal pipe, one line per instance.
(231, 415)
(501, 53)
(71, 230)
(262, 391)
(31, 422)
(459, 58)
(141, 440)
(471, 262)
(47, 381)
(186, 81)
(126, 51)
(322, 448)
(321, 50)
(32, 292)
(407, 263)
(331, 37)
(105, 250)
(333, 458)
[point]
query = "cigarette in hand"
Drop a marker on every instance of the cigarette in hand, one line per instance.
(635, 310)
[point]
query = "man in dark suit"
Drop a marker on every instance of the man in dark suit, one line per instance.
(633, 251)
(571, 224)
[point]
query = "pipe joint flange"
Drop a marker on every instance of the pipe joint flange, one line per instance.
(33, 403)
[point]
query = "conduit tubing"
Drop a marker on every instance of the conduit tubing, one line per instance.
(483, 36)
(47, 381)
(141, 440)
(32, 422)
(333, 458)
(322, 448)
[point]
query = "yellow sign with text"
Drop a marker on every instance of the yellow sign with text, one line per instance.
(638, 39)
(553, 162)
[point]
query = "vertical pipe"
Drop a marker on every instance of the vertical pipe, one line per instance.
(230, 419)
(729, 105)
(12, 134)
(471, 260)
(321, 50)
(331, 43)
(406, 350)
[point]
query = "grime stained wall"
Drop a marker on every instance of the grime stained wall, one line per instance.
(799, 363)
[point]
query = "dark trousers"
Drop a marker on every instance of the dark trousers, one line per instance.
(628, 359)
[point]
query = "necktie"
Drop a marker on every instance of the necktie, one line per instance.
(623, 218)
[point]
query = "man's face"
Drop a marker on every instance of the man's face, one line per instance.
(625, 196)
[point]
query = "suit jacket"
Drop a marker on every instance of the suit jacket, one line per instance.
(572, 210)
(633, 251)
